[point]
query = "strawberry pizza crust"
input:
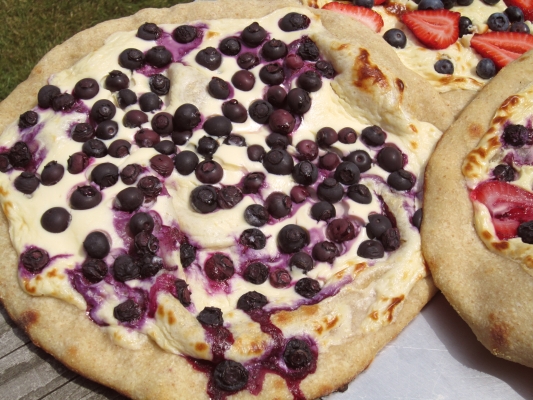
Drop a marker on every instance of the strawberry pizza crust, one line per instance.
(251, 250)
(480, 254)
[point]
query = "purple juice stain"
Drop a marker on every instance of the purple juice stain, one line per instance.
(164, 283)
(27, 275)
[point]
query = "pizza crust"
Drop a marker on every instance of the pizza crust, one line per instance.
(151, 372)
(493, 294)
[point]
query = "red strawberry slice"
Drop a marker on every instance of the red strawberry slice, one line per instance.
(436, 29)
(508, 205)
(525, 5)
(502, 47)
(378, 2)
(365, 15)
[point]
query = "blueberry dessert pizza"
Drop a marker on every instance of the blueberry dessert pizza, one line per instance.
(481, 253)
(217, 200)
(457, 45)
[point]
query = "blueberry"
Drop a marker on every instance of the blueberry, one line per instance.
(278, 205)
(63, 102)
(281, 121)
(159, 84)
(119, 148)
(325, 137)
(294, 22)
(181, 138)
(162, 123)
(158, 57)
(260, 111)
(5, 165)
(278, 162)
(253, 35)
(228, 197)
(347, 135)
(149, 31)
(166, 147)
(340, 230)
(517, 135)
(126, 97)
(82, 132)
(377, 225)
(520, 27)
(131, 59)
(323, 210)
(256, 215)
(230, 376)
(278, 141)
(116, 80)
(280, 278)
(330, 190)
(107, 130)
(247, 60)
(329, 161)
(504, 173)
(150, 186)
(234, 111)
(272, 74)
(525, 232)
(276, 95)
(185, 34)
(297, 354)
(373, 136)
(251, 301)
(218, 88)
(514, 14)
(325, 69)
(187, 254)
(45, 95)
(204, 199)
(449, 4)
(325, 252)
(430, 5)
(186, 117)
(96, 244)
(26, 182)
(274, 49)
(150, 265)
(391, 239)
(310, 81)
(256, 273)
(146, 138)
(209, 58)
(401, 180)
(396, 38)
(162, 164)
(371, 249)
(308, 50)
(183, 294)
(149, 102)
(94, 148)
(94, 270)
(292, 238)
(209, 171)
(28, 119)
(130, 173)
(77, 163)
(146, 244)
(85, 197)
(294, 62)
(243, 80)
(55, 220)
(218, 125)
(252, 182)
(498, 22)
(444, 66)
(235, 140)
(363, 3)
(19, 155)
(417, 218)
(207, 146)
(230, 46)
(305, 173)
(491, 2)
(466, 27)
(219, 267)
(52, 173)
(486, 68)
(141, 222)
(102, 110)
(464, 3)
(299, 194)
(86, 89)
(211, 316)
(127, 311)
(307, 150)
(302, 261)
(360, 194)
(34, 259)
(307, 287)
(347, 173)
(129, 199)
(390, 159)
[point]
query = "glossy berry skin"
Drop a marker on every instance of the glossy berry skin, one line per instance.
(251, 301)
(234, 111)
(340, 230)
(292, 238)
(347, 135)
(26, 182)
(85, 197)
(219, 267)
(260, 111)
(55, 220)
(377, 225)
(281, 121)
(209, 171)
(256, 273)
(207, 146)
(520, 27)
(359, 193)
(347, 173)
(525, 232)
(390, 159)
(325, 252)
(396, 38)
(126, 97)
(247, 60)
(253, 182)
(256, 215)
(218, 126)
(82, 132)
(130, 173)
(149, 31)
(302, 261)
(96, 244)
(278, 205)
(149, 102)
(294, 22)
(307, 287)
(230, 46)
(272, 74)
(186, 117)
(329, 161)
(116, 80)
(307, 150)
(514, 14)
(401, 180)
(297, 355)
(466, 27)
(129, 199)
(229, 197)
(34, 259)
(45, 95)
(305, 173)
(504, 173)
(299, 101)
(363, 3)
(52, 173)
(162, 123)
(119, 148)
(94, 148)
(371, 249)
(498, 22)
(444, 66)
(166, 147)
(159, 84)
(326, 137)
(127, 311)
(278, 162)
(310, 81)
(141, 222)
(322, 211)
(102, 110)
(131, 59)
(253, 35)
(430, 5)
(204, 199)
(486, 68)
(417, 218)
(94, 270)
(230, 375)
(373, 136)
(158, 57)
(273, 50)
(187, 254)
(330, 190)
(209, 58)
(218, 88)
(185, 34)
(86, 89)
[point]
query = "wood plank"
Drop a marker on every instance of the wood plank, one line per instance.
(11, 336)
(31, 373)
(81, 388)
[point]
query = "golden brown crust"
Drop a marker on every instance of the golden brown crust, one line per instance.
(492, 294)
(151, 372)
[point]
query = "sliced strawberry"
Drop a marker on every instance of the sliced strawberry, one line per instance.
(502, 47)
(436, 29)
(378, 2)
(508, 205)
(365, 15)
(525, 5)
